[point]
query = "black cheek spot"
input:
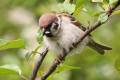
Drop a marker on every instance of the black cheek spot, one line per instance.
(56, 26)
(49, 35)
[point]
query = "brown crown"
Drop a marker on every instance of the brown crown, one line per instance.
(46, 19)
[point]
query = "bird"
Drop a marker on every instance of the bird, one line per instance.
(60, 32)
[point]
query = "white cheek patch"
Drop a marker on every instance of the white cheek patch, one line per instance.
(47, 32)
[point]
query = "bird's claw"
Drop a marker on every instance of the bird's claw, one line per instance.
(73, 45)
(60, 59)
(88, 28)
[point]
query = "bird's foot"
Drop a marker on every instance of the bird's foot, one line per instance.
(74, 46)
(59, 58)
(88, 28)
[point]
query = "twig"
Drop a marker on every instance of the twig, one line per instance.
(34, 73)
(25, 78)
(88, 31)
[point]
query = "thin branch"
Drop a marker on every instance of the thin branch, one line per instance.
(54, 66)
(88, 31)
(34, 73)
(25, 78)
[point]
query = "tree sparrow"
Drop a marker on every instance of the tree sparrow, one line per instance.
(61, 30)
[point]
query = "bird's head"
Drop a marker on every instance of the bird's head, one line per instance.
(49, 24)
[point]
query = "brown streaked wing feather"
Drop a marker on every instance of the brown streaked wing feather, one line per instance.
(77, 23)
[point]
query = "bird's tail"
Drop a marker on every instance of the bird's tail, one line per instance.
(98, 47)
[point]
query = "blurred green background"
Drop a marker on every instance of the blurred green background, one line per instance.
(19, 19)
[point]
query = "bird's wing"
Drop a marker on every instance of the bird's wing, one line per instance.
(94, 45)
(73, 20)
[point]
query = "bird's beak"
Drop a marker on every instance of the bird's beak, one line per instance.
(46, 32)
(43, 31)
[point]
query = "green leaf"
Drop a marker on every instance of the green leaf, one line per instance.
(67, 1)
(53, 11)
(27, 56)
(97, 0)
(81, 2)
(3, 42)
(6, 44)
(103, 18)
(89, 10)
(77, 11)
(85, 9)
(67, 7)
(113, 1)
(39, 37)
(10, 70)
(97, 13)
(105, 6)
(32, 53)
(36, 49)
(117, 64)
(116, 12)
(65, 67)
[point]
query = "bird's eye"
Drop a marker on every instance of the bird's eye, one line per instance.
(55, 25)
(72, 19)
